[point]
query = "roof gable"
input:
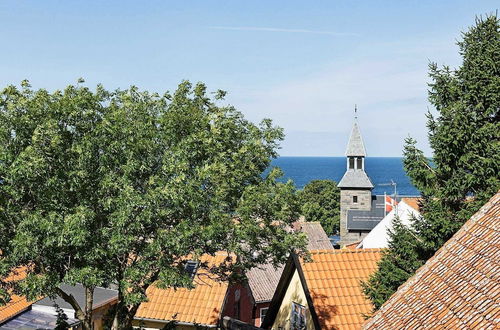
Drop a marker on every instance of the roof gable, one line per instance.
(331, 282)
(264, 279)
(458, 287)
(378, 237)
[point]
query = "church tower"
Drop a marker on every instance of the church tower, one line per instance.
(355, 186)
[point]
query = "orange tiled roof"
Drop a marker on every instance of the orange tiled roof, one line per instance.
(333, 279)
(17, 304)
(413, 202)
(459, 287)
(202, 305)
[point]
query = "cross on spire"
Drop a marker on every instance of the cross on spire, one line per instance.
(355, 112)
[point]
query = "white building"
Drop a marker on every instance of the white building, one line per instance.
(378, 237)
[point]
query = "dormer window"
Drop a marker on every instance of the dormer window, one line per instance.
(190, 268)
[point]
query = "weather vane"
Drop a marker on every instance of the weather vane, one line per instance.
(355, 111)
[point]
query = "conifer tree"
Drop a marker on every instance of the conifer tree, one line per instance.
(465, 166)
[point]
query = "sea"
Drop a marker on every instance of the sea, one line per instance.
(381, 170)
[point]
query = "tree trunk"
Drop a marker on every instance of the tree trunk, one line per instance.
(89, 300)
(124, 316)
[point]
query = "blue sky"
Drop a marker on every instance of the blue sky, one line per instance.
(302, 63)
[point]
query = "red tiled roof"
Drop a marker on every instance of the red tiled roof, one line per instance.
(17, 304)
(413, 202)
(333, 279)
(459, 287)
(201, 305)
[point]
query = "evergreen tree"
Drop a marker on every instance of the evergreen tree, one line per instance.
(320, 201)
(464, 172)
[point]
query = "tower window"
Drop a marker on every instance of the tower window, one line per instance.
(360, 163)
(355, 199)
(351, 162)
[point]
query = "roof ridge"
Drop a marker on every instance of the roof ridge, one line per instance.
(340, 251)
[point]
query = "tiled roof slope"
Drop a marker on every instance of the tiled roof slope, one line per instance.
(459, 287)
(317, 238)
(264, 279)
(355, 146)
(17, 304)
(333, 280)
(413, 202)
(201, 305)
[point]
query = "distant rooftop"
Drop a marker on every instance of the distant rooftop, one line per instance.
(34, 320)
(101, 296)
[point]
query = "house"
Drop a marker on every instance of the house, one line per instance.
(202, 305)
(360, 211)
(406, 210)
(20, 313)
(458, 288)
(263, 280)
(324, 293)
(103, 300)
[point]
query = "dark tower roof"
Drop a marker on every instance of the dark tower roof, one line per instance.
(355, 179)
(355, 146)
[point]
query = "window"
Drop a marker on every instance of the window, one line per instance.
(263, 312)
(298, 318)
(360, 163)
(351, 162)
(355, 199)
(190, 268)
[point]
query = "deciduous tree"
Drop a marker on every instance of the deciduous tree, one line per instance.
(320, 201)
(101, 188)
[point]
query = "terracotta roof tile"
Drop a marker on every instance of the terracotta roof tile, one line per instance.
(457, 288)
(202, 304)
(333, 279)
(413, 202)
(17, 304)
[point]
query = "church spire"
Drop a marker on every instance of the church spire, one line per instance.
(355, 146)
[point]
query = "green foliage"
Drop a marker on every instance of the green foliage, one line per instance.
(62, 319)
(464, 173)
(320, 201)
(100, 187)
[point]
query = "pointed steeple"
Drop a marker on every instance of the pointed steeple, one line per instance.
(355, 146)
(355, 176)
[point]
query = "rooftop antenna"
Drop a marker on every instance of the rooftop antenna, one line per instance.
(394, 184)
